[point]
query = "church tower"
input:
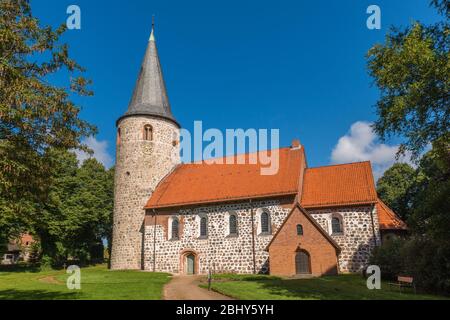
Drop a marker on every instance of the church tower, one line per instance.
(147, 150)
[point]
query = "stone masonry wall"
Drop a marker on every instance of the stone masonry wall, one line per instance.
(357, 239)
(218, 252)
(223, 253)
(140, 166)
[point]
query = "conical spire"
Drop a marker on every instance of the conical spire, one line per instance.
(150, 96)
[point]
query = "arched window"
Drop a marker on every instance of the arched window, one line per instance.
(233, 224)
(299, 230)
(203, 227)
(336, 225)
(118, 136)
(264, 222)
(148, 132)
(174, 139)
(175, 229)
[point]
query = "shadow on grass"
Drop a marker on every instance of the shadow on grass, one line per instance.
(325, 288)
(13, 294)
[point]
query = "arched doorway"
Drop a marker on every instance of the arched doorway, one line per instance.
(302, 262)
(190, 264)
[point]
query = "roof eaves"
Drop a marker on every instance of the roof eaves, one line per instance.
(222, 200)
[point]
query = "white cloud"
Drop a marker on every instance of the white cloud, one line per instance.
(361, 144)
(100, 149)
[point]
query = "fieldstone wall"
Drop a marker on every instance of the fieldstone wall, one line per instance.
(233, 254)
(140, 166)
(219, 251)
(359, 235)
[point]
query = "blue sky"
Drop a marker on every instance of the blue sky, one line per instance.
(298, 66)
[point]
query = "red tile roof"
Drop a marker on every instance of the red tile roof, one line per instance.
(387, 219)
(329, 186)
(345, 184)
(199, 183)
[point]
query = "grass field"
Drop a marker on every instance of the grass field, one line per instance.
(344, 287)
(97, 283)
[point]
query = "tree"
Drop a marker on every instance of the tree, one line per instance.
(430, 203)
(89, 211)
(78, 214)
(394, 188)
(412, 71)
(35, 116)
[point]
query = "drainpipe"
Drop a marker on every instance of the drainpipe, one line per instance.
(253, 237)
(373, 227)
(154, 240)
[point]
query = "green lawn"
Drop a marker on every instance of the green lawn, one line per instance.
(97, 283)
(341, 287)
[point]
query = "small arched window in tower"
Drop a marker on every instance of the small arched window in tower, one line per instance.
(118, 136)
(264, 222)
(336, 225)
(174, 139)
(203, 227)
(299, 230)
(233, 224)
(175, 229)
(148, 132)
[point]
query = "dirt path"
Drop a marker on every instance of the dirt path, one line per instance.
(50, 279)
(186, 288)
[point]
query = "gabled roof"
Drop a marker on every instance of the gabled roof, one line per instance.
(337, 185)
(313, 222)
(150, 95)
(387, 219)
(201, 182)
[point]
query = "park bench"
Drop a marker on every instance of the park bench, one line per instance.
(404, 282)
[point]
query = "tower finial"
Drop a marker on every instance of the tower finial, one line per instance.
(152, 35)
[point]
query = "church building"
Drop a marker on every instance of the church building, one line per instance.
(192, 218)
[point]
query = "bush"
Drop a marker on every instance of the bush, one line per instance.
(389, 258)
(426, 260)
(429, 262)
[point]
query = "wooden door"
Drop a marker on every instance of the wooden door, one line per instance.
(190, 260)
(302, 263)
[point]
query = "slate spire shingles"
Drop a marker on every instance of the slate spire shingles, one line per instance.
(150, 94)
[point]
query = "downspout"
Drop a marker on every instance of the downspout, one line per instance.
(373, 226)
(253, 237)
(154, 240)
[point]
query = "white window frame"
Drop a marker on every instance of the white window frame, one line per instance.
(198, 220)
(227, 223)
(169, 228)
(258, 221)
(330, 223)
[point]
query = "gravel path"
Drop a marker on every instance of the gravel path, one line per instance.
(186, 288)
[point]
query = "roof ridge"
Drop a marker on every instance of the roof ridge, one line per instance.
(339, 164)
(236, 155)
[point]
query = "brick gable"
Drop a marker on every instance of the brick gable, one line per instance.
(322, 249)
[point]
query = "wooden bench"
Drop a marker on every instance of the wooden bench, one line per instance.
(404, 282)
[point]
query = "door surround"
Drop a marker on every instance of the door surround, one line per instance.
(184, 261)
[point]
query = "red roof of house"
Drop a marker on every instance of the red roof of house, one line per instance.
(200, 182)
(329, 186)
(387, 219)
(344, 184)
